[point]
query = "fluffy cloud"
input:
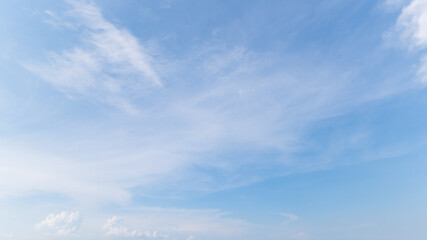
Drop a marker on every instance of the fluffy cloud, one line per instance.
(114, 227)
(64, 223)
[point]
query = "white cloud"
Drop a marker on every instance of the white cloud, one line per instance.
(395, 4)
(173, 223)
(232, 99)
(228, 98)
(114, 227)
(413, 22)
(5, 236)
(108, 65)
(185, 135)
(62, 224)
(412, 25)
(301, 235)
(289, 217)
(56, 21)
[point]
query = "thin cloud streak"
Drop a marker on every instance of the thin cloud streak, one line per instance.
(106, 67)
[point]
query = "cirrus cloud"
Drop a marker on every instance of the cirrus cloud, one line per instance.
(104, 67)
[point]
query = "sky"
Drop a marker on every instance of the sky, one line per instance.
(207, 120)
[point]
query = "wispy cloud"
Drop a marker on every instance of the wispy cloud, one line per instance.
(394, 4)
(289, 217)
(225, 123)
(108, 65)
(62, 224)
(217, 117)
(5, 236)
(56, 21)
(228, 117)
(172, 223)
(412, 26)
(301, 235)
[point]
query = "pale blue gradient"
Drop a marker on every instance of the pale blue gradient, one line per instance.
(206, 120)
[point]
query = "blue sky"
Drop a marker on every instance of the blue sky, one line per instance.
(206, 120)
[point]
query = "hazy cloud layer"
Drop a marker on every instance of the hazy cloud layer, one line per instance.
(220, 102)
(130, 124)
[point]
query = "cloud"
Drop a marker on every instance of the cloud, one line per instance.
(56, 21)
(412, 26)
(107, 66)
(413, 22)
(301, 235)
(395, 4)
(114, 227)
(289, 217)
(175, 223)
(191, 134)
(229, 117)
(5, 236)
(62, 224)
